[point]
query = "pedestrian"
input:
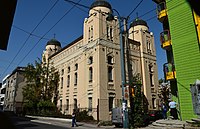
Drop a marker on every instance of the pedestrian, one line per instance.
(173, 110)
(74, 119)
(164, 110)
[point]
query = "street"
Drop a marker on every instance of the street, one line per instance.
(15, 122)
(37, 125)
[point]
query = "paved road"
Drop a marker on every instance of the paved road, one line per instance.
(14, 122)
(36, 125)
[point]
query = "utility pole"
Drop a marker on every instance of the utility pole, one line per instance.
(123, 73)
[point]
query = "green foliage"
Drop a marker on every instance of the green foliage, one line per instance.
(105, 123)
(139, 104)
(83, 116)
(30, 108)
(160, 81)
(45, 105)
(42, 85)
(46, 108)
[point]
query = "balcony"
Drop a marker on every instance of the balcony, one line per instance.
(169, 71)
(161, 11)
(165, 39)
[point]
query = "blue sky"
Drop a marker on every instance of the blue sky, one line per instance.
(67, 25)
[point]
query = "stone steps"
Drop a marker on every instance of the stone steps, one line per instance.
(194, 123)
(167, 124)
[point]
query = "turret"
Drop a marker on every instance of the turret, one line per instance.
(96, 26)
(52, 47)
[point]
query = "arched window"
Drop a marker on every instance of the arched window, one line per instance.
(68, 69)
(110, 60)
(76, 66)
(90, 60)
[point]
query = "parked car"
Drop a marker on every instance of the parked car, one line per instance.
(155, 115)
(117, 117)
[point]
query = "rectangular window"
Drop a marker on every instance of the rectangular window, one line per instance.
(75, 104)
(68, 80)
(107, 32)
(110, 103)
(61, 105)
(154, 103)
(90, 74)
(67, 104)
(61, 82)
(110, 74)
(151, 79)
(111, 34)
(91, 33)
(90, 104)
(75, 78)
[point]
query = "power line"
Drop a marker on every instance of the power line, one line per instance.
(30, 36)
(77, 3)
(16, 27)
(47, 32)
(135, 8)
(37, 36)
(87, 13)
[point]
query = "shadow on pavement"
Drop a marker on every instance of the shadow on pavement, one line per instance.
(8, 120)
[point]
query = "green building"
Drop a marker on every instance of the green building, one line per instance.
(180, 39)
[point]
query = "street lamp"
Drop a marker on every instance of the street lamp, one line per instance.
(123, 77)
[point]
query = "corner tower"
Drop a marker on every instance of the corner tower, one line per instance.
(52, 47)
(96, 26)
(139, 31)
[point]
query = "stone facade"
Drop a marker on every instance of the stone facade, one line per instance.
(13, 96)
(89, 67)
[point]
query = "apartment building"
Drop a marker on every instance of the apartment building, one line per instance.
(180, 39)
(2, 92)
(13, 95)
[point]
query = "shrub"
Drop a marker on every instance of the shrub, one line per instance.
(83, 116)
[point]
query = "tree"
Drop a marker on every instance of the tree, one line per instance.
(164, 92)
(42, 84)
(138, 103)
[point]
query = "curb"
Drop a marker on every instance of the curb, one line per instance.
(50, 118)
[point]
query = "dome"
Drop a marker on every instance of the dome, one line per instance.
(100, 3)
(54, 42)
(138, 22)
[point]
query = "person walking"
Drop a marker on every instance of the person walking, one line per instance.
(173, 110)
(74, 119)
(164, 110)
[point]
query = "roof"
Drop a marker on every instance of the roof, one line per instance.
(67, 46)
(18, 69)
(138, 22)
(100, 3)
(7, 11)
(54, 42)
